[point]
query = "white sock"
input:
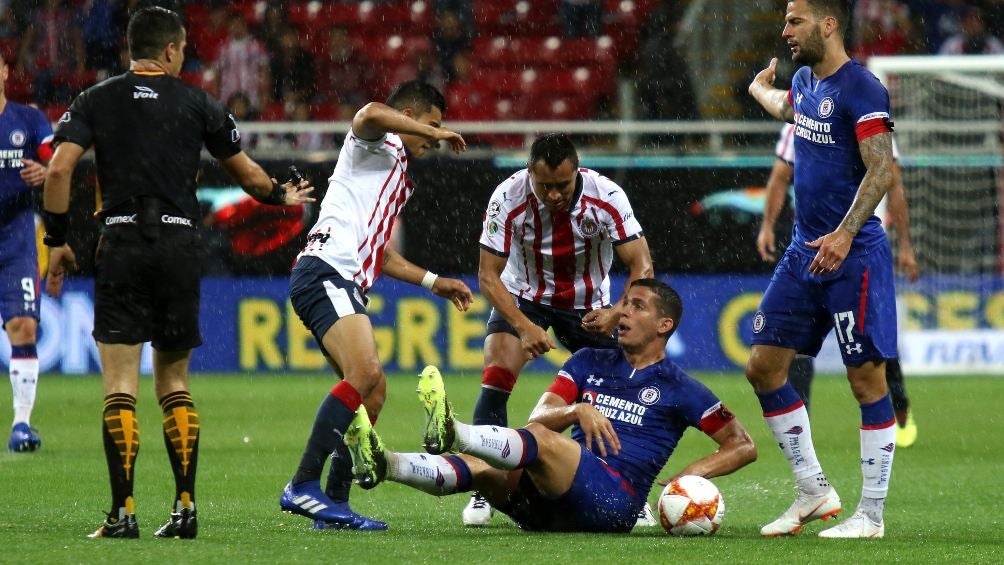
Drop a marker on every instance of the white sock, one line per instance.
(23, 379)
(428, 473)
(794, 436)
(877, 447)
(502, 448)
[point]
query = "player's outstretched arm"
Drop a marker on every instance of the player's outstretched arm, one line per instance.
(876, 152)
(263, 188)
(555, 414)
(906, 260)
(774, 100)
(638, 259)
(533, 338)
(454, 290)
(55, 207)
(735, 450)
(374, 120)
(777, 188)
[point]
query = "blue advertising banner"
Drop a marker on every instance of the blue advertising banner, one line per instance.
(248, 325)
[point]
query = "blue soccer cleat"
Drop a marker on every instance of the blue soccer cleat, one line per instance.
(24, 438)
(307, 499)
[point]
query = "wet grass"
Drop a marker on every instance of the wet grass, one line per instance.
(944, 505)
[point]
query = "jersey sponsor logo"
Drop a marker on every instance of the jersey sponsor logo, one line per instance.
(494, 209)
(117, 220)
(588, 398)
(758, 322)
(17, 138)
(826, 107)
(649, 395)
(145, 93)
(619, 410)
(812, 130)
(175, 220)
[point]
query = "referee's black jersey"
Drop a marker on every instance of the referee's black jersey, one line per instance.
(147, 130)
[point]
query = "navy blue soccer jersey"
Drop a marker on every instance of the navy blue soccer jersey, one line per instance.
(831, 117)
(25, 133)
(649, 408)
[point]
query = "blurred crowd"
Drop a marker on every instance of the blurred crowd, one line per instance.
(303, 60)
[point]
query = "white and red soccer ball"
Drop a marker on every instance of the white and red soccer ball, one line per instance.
(691, 506)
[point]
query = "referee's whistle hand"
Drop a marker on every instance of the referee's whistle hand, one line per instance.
(61, 260)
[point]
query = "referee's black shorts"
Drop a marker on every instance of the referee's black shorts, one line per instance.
(567, 325)
(148, 290)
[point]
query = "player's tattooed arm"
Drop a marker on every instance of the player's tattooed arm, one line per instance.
(876, 152)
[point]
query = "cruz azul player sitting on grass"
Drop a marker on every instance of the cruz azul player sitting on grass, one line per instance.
(628, 408)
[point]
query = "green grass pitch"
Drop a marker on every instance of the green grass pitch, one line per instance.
(945, 503)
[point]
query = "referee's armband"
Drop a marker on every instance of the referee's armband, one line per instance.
(276, 198)
(56, 226)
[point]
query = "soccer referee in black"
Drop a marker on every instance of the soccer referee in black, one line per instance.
(147, 128)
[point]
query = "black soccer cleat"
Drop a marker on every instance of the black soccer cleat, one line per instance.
(182, 525)
(125, 527)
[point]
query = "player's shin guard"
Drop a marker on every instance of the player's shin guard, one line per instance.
(336, 411)
(496, 385)
(435, 474)
(788, 420)
(502, 448)
(121, 438)
(878, 441)
(181, 437)
(23, 380)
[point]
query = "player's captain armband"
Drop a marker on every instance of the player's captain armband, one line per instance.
(872, 124)
(46, 149)
(715, 418)
(565, 387)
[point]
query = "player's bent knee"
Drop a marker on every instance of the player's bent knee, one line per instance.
(367, 378)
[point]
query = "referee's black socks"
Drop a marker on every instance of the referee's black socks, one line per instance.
(121, 439)
(181, 437)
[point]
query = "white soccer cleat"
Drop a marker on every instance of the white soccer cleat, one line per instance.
(805, 509)
(858, 525)
(645, 517)
(478, 512)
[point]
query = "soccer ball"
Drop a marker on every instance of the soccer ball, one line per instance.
(691, 506)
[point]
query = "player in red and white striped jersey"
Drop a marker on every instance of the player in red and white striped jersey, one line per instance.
(548, 240)
(346, 251)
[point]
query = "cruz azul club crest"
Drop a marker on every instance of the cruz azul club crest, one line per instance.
(826, 107)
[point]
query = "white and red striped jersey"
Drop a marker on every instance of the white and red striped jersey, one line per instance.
(561, 259)
(785, 148)
(367, 191)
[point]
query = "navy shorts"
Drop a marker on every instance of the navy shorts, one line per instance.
(600, 500)
(19, 290)
(858, 302)
(567, 325)
(320, 296)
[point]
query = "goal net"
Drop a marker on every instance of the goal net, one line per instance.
(948, 112)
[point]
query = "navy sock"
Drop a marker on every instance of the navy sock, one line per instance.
(333, 418)
(490, 409)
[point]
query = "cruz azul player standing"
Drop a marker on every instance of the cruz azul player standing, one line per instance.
(837, 272)
(25, 139)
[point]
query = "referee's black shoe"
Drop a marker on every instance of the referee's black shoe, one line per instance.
(182, 525)
(125, 527)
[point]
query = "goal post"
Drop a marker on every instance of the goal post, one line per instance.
(948, 115)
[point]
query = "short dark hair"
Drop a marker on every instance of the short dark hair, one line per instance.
(836, 8)
(553, 149)
(417, 95)
(151, 30)
(668, 301)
